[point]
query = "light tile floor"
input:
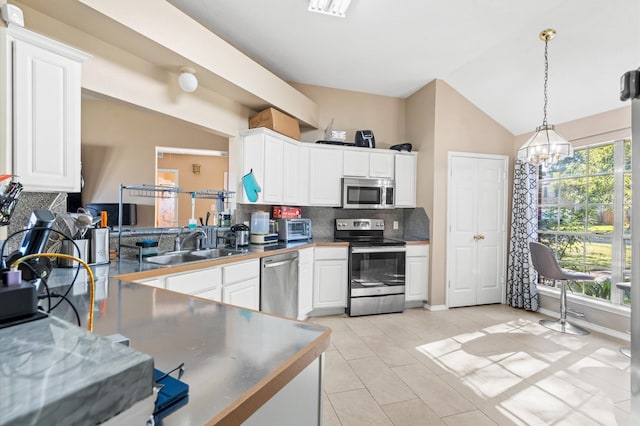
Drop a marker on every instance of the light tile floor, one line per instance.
(481, 365)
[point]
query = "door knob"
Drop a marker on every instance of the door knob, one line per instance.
(478, 237)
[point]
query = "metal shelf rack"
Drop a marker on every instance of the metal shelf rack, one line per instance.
(164, 191)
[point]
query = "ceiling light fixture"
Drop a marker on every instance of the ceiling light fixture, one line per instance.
(188, 80)
(330, 7)
(545, 146)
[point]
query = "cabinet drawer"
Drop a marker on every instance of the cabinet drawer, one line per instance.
(154, 282)
(330, 253)
(417, 250)
(195, 282)
(241, 271)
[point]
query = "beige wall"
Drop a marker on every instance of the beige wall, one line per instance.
(452, 123)
(604, 127)
(352, 111)
(211, 177)
(118, 146)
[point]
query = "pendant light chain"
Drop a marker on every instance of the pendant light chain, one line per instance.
(546, 79)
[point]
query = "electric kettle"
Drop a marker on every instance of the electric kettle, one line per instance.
(241, 231)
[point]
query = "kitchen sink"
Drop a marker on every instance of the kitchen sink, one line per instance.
(216, 252)
(178, 258)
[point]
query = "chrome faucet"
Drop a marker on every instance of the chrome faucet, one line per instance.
(177, 243)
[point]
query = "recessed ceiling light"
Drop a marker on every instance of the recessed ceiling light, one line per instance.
(329, 7)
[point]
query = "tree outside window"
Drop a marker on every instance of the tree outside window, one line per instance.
(584, 216)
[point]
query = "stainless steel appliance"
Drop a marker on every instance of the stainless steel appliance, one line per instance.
(365, 139)
(241, 231)
(279, 284)
(294, 229)
(367, 193)
(376, 267)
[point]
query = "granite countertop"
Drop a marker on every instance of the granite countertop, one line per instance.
(230, 354)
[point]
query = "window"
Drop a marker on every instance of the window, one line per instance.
(584, 215)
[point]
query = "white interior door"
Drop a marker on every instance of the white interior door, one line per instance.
(477, 229)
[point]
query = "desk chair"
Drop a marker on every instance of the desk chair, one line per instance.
(546, 264)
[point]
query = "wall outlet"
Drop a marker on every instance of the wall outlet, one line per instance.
(395, 224)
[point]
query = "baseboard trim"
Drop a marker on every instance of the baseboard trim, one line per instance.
(585, 324)
(435, 308)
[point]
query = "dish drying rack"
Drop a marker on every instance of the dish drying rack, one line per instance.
(163, 191)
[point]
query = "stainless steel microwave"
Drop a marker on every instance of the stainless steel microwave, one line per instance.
(367, 193)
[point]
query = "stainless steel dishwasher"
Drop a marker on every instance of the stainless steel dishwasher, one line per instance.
(279, 284)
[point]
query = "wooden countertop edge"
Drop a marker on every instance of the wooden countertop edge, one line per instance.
(132, 276)
(415, 243)
(242, 408)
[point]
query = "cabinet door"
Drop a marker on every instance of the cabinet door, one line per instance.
(196, 281)
(291, 169)
(253, 160)
(303, 176)
(417, 264)
(215, 294)
(330, 284)
(244, 294)
(381, 165)
(240, 271)
(46, 104)
(325, 173)
(305, 283)
(273, 170)
(356, 163)
(405, 172)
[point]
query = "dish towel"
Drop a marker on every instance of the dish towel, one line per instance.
(251, 187)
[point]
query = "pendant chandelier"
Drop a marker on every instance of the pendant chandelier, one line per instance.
(545, 146)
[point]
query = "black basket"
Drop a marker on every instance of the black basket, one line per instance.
(8, 200)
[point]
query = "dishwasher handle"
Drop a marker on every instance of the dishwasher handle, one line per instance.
(274, 264)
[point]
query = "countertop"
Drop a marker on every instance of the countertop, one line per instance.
(234, 359)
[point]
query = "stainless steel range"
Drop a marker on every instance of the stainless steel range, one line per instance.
(376, 267)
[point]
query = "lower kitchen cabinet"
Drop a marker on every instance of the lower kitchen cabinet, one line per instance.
(202, 283)
(417, 268)
(330, 277)
(153, 282)
(241, 284)
(245, 294)
(305, 283)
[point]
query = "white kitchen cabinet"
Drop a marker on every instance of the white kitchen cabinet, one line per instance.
(405, 179)
(417, 273)
(356, 163)
(303, 175)
(153, 282)
(203, 282)
(244, 294)
(330, 276)
(262, 153)
(41, 113)
(305, 283)
(381, 165)
(325, 173)
(241, 284)
(291, 176)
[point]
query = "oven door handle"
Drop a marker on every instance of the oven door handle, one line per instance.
(378, 249)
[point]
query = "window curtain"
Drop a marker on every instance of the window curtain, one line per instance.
(522, 291)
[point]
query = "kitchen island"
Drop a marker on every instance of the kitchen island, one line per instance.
(240, 365)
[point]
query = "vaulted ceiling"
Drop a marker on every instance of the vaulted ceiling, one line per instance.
(488, 50)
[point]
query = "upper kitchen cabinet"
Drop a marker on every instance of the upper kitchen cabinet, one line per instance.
(325, 174)
(406, 176)
(42, 79)
(362, 162)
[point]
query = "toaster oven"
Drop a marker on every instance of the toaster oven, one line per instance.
(294, 229)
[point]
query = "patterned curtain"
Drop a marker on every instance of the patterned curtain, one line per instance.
(522, 291)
